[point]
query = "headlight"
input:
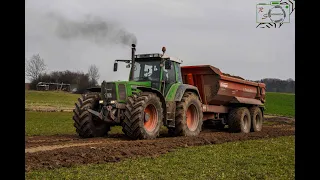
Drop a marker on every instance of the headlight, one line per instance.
(109, 95)
(101, 102)
(112, 102)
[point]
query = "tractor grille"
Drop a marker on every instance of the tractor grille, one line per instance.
(109, 90)
(122, 92)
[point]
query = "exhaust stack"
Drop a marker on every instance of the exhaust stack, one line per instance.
(133, 50)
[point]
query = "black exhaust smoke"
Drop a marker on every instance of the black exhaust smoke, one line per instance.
(92, 28)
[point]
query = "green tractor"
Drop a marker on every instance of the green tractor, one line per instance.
(154, 96)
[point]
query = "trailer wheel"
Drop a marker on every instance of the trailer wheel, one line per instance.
(256, 118)
(143, 116)
(239, 120)
(188, 121)
(86, 124)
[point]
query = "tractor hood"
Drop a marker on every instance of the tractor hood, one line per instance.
(135, 84)
(120, 90)
(132, 86)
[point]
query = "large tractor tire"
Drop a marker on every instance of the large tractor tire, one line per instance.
(256, 118)
(143, 116)
(88, 125)
(239, 120)
(188, 121)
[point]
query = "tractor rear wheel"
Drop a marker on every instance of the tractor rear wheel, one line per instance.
(239, 120)
(256, 118)
(143, 116)
(188, 121)
(88, 125)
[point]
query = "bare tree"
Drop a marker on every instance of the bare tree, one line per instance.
(93, 73)
(34, 67)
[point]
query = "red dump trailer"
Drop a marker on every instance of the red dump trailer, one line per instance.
(227, 100)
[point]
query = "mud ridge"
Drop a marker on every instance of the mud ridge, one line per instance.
(118, 148)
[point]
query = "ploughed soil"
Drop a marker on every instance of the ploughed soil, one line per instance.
(48, 152)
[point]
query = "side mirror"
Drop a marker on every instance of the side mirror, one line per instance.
(115, 66)
(167, 64)
(128, 66)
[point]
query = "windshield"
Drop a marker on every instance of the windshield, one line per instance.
(146, 70)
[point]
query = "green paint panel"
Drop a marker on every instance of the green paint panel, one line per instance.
(172, 92)
(130, 87)
(161, 78)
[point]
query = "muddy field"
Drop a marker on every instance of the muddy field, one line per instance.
(67, 150)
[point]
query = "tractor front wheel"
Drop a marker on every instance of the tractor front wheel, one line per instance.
(143, 116)
(88, 125)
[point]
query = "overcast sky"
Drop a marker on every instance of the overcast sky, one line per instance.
(219, 33)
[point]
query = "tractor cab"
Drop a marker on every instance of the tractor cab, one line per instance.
(160, 69)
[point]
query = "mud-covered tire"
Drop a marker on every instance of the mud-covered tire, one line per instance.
(239, 120)
(86, 124)
(134, 124)
(190, 101)
(256, 119)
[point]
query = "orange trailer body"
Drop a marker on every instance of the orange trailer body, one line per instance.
(219, 91)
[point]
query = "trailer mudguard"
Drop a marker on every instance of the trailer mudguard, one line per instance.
(182, 88)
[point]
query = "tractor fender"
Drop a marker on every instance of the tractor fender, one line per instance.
(183, 88)
(159, 94)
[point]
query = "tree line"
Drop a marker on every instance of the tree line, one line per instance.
(278, 85)
(35, 71)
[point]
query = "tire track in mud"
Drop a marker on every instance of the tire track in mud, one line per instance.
(56, 140)
(118, 148)
(48, 148)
